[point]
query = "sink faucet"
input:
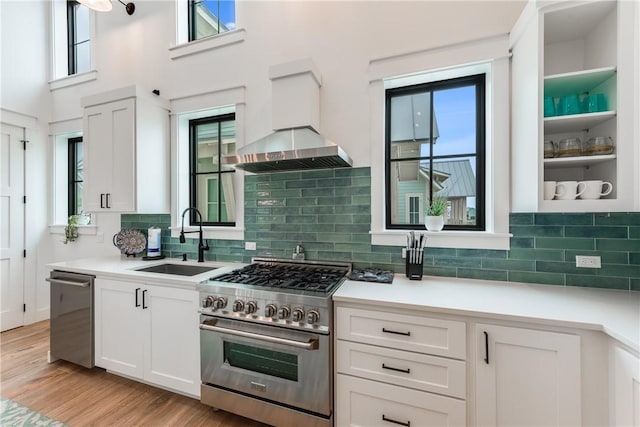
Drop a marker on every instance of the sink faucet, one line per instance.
(202, 244)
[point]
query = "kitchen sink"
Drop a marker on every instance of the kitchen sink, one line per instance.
(177, 269)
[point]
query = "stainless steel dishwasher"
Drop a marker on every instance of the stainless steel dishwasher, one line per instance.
(71, 325)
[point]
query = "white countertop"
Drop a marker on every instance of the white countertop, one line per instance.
(121, 267)
(616, 313)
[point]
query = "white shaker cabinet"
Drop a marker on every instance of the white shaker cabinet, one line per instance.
(148, 332)
(527, 377)
(126, 152)
(582, 49)
(625, 386)
(394, 368)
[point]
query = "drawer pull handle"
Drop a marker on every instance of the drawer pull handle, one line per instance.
(389, 331)
(391, 420)
(406, 371)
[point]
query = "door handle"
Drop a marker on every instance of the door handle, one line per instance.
(137, 302)
(312, 344)
(101, 200)
(108, 197)
(144, 300)
(486, 347)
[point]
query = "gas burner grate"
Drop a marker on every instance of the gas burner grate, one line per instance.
(286, 276)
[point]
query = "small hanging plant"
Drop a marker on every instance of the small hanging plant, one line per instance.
(71, 230)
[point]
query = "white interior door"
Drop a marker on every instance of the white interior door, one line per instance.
(11, 227)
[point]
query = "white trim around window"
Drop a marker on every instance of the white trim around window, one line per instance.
(489, 56)
(196, 106)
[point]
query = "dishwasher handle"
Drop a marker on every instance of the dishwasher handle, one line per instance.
(68, 282)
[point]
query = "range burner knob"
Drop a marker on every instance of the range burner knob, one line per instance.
(220, 302)
(270, 310)
(251, 307)
(313, 316)
(284, 312)
(238, 305)
(298, 314)
(208, 301)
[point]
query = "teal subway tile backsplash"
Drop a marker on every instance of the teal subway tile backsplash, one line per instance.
(329, 212)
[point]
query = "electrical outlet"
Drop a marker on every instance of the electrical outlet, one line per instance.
(250, 246)
(583, 261)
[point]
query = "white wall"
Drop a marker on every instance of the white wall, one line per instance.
(341, 38)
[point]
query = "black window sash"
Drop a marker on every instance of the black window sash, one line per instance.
(478, 81)
(193, 167)
(72, 194)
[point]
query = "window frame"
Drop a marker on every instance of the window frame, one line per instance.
(477, 80)
(194, 174)
(72, 43)
(72, 195)
(191, 20)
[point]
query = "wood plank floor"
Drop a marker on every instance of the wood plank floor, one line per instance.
(92, 397)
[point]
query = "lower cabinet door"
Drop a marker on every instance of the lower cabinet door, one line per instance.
(626, 388)
(527, 377)
(361, 402)
(119, 327)
(172, 357)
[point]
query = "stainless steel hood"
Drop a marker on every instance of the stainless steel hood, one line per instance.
(296, 143)
(290, 149)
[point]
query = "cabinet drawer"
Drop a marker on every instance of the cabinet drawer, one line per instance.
(419, 371)
(368, 403)
(406, 332)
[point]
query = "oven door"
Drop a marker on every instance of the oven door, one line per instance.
(280, 365)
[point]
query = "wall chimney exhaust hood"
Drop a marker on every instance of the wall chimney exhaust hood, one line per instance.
(296, 143)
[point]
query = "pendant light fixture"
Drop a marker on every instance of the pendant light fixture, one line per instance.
(106, 5)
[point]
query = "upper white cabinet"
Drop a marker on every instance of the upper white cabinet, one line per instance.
(573, 77)
(126, 143)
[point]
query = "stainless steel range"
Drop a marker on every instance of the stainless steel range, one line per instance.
(265, 341)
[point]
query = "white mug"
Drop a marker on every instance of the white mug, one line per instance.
(569, 190)
(550, 190)
(593, 189)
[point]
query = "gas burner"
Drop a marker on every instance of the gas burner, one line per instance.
(288, 275)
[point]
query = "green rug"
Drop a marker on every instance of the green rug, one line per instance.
(13, 414)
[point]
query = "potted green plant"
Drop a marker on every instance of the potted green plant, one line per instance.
(434, 216)
(71, 230)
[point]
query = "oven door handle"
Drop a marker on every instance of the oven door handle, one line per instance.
(312, 344)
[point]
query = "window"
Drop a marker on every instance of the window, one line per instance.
(414, 208)
(210, 17)
(78, 38)
(435, 145)
(76, 173)
(211, 183)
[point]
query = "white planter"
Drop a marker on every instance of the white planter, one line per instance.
(434, 223)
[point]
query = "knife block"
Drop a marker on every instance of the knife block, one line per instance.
(414, 263)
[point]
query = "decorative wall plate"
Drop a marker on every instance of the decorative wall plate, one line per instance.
(130, 241)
